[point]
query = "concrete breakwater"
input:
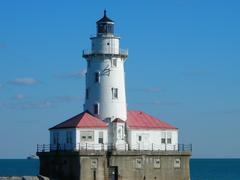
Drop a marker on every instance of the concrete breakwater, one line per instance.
(115, 165)
(24, 178)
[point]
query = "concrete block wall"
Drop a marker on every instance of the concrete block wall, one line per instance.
(128, 165)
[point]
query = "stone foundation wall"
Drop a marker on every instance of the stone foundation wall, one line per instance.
(116, 165)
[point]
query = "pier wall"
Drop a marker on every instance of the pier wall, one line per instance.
(115, 165)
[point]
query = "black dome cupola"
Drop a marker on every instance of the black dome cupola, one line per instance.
(105, 25)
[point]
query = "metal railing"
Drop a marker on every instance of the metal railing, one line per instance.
(88, 53)
(107, 147)
(185, 147)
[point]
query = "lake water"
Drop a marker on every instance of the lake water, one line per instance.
(201, 169)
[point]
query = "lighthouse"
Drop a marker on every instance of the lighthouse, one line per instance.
(107, 140)
(105, 95)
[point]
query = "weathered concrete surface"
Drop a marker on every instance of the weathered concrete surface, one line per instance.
(129, 165)
(59, 165)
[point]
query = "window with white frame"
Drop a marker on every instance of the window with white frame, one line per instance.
(100, 137)
(177, 163)
(163, 138)
(114, 62)
(138, 163)
(157, 163)
(86, 136)
(169, 138)
(114, 93)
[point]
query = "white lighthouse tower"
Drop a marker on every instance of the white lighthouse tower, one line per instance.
(105, 80)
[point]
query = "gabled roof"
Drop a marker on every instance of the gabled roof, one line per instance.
(83, 120)
(141, 120)
(118, 120)
(135, 120)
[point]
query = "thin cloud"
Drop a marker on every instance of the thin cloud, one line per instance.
(24, 81)
(152, 90)
(147, 89)
(169, 103)
(19, 97)
(74, 75)
(26, 105)
(160, 103)
(21, 102)
(66, 99)
(37, 105)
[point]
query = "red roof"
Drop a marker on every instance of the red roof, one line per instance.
(141, 120)
(135, 120)
(83, 120)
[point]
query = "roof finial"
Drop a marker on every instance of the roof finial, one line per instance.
(105, 12)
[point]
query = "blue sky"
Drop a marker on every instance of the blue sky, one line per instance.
(183, 67)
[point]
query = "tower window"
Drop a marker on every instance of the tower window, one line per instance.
(108, 43)
(114, 62)
(97, 77)
(115, 93)
(96, 108)
(87, 93)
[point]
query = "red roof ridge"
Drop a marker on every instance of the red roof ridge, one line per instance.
(82, 120)
(140, 120)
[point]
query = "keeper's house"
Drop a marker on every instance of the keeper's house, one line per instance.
(141, 132)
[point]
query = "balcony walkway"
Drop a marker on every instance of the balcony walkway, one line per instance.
(98, 148)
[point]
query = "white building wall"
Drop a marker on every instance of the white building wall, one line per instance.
(60, 136)
(152, 139)
(91, 144)
(76, 139)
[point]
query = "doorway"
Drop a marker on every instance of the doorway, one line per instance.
(113, 173)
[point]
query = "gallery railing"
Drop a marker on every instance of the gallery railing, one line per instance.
(107, 147)
(90, 53)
